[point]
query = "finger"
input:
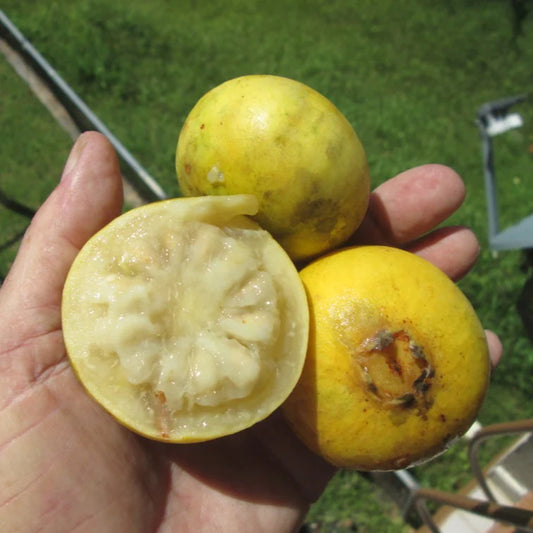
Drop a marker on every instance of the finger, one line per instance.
(453, 249)
(411, 204)
(495, 348)
(88, 196)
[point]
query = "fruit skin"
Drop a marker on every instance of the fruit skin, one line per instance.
(288, 145)
(342, 411)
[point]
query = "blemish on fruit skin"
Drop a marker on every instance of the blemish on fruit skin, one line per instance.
(404, 401)
(416, 350)
(421, 384)
(386, 343)
(372, 388)
(215, 175)
(161, 414)
(379, 342)
(323, 212)
(401, 462)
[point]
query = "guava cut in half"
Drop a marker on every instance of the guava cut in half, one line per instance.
(185, 320)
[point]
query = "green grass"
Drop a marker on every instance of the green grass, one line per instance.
(351, 499)
(408, 75)
(32, 153)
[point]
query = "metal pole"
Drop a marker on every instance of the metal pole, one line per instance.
(504, 428)
(490, 184)
(515, 516)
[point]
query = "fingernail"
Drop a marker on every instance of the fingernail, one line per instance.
(74, 156)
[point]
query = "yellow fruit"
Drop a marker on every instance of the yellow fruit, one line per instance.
(186, 320)
(288, 145)
(397, 364)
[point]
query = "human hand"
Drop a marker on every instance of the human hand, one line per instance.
(66, 465)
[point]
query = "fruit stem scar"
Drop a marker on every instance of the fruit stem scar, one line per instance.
(416, 350)
(405, 400)
(395, 369)
(379, 342)
(421, 383)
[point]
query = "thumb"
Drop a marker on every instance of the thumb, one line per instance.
(88, 197)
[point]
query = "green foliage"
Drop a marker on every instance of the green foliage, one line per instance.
(352, 498)
(408, 75)
(32, 153)
(408, 78)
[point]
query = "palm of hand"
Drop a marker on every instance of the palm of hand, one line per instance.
(66, 465)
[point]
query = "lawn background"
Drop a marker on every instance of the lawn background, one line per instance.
(408, 75)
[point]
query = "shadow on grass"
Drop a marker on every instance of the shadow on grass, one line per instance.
(20, 209)
(524, 304)
(15, 206)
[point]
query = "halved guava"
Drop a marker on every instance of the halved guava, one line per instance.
(185, 319)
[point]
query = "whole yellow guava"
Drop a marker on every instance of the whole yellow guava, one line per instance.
(288, 145)
(397, 364)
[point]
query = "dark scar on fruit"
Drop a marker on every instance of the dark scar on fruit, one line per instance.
(421, 383)
(417, 396)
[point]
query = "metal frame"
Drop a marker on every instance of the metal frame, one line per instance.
(495, 118)
(512, 515)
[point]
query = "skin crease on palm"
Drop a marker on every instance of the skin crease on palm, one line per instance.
(67, 466)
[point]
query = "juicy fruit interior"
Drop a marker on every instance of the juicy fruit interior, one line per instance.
(195, 319)
(164, 334)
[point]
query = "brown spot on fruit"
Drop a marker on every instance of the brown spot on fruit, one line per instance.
(395, 369)
(162, 414)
